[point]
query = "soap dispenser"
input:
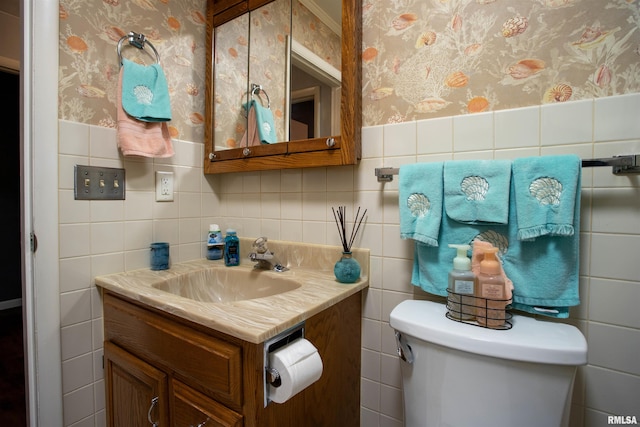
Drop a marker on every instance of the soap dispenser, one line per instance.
(491, 291)
(215, 242)
(231, 248)
(462, 286)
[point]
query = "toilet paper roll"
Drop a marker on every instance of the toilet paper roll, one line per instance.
(299, 366)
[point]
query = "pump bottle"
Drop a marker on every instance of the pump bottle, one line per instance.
(462, 286)
(231, 248)
(491, 291)
(215, 242)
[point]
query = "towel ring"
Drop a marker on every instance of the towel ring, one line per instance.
(257, 89)
(138, 40)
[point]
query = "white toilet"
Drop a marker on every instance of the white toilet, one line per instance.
(460, 375)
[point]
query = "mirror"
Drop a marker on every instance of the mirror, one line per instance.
(245, 68)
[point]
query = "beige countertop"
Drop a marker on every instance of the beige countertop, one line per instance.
(252, 320)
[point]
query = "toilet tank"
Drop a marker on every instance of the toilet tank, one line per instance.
(457, 374)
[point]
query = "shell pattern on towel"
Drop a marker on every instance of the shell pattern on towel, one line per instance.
(143, 94)
(498, 240)
(474, 187)
(418, 204)
(546, 190)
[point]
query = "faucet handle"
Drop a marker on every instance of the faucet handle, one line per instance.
(260, 245)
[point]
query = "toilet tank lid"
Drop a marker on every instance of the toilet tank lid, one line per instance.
(529, 340)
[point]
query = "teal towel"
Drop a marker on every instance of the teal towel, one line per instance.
(420, 201)
(546, 189)
(145, 94)
(264, 122)
(432, 265)
(545, 271)
(477, 191)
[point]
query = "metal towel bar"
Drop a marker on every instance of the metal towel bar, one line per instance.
(621, 165)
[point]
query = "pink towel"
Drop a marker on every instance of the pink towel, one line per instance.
(137, 138)
(251, 134)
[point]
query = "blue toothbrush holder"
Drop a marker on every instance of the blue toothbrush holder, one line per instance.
(160, 256)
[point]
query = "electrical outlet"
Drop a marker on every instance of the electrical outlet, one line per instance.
(164, 186)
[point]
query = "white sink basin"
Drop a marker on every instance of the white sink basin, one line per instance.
(227, 284)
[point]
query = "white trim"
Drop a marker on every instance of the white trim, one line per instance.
(319, 11)
(313, 65)
(39, 157)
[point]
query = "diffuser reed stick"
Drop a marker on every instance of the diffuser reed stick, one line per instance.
(341, 222)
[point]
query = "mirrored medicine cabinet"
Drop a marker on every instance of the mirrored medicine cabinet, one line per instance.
(288, 66)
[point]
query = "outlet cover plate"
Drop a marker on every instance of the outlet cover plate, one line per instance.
(164, 186)
(98, 183)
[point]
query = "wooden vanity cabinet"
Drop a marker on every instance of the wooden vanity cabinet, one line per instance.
(132, 386)
(201, 375)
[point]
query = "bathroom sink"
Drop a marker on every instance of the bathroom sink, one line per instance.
(224, 284)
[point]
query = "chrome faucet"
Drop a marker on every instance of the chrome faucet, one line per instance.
(266, 259)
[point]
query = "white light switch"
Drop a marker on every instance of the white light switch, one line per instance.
(164, 186)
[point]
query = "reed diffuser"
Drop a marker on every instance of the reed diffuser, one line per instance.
(347, 269)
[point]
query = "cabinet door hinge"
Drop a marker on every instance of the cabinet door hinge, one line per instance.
(34, 242)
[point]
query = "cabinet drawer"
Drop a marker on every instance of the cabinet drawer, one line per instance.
(191, 408)
(209, 364)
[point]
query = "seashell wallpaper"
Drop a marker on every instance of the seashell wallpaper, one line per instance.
(421, 58)
(434, 58)
(89, 66)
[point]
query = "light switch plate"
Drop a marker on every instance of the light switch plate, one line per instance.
(98, 183)
(164, 186)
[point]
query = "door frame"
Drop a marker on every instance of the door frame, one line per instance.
(39, 200)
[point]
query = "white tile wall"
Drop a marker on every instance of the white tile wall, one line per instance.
(100, 237)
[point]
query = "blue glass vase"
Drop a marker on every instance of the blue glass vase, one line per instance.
(347, 269)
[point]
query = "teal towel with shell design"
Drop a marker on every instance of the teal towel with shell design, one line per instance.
(545, 190)
(477, 191)
(145, 93)
(420, 192)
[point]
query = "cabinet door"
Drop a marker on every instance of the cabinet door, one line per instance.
(136, 391)
(191, 408)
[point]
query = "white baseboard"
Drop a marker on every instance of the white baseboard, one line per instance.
(10, 303)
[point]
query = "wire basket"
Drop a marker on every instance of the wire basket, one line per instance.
(478, 311)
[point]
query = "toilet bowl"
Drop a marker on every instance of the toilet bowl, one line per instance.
(459, 375)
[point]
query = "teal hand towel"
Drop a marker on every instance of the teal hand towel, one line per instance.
(420, 191)
(145, 93)
(546, 191)
(264, 122)
(477, 191)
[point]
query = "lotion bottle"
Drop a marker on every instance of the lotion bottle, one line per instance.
(215, 242)
(462, 286)
(491, 291)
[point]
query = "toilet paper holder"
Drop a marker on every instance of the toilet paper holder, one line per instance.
(271, 375)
